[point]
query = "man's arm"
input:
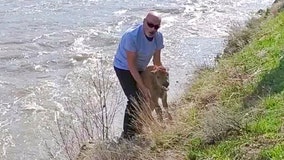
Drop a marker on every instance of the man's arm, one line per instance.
(131, 60)
(157, 58)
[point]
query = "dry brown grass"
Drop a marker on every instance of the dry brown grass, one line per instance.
(112, 150)
(140, 147)
(254, 146)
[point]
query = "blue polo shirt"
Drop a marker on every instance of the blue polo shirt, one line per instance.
(134, 40)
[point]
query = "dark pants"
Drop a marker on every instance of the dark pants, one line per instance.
(131, 91)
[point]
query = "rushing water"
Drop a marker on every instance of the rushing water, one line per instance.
(44, 43)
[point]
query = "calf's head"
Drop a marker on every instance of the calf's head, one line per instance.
(161, 76)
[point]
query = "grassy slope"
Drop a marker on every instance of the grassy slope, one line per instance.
(237, 109)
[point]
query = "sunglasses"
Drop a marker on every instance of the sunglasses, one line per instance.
(151, 25)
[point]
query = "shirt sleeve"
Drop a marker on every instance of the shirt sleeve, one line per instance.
(129, 43)
(160, 41)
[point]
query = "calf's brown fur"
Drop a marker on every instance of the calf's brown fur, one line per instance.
(157, 81)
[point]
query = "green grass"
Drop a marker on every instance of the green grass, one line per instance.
(221, 151)
(276, 152)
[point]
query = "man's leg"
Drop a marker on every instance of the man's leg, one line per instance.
(131, 91)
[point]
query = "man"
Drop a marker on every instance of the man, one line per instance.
(137, 47)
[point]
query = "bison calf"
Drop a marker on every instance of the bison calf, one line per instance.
(156, 79)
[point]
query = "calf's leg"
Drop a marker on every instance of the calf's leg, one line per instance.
(165, 105)
(158, 109)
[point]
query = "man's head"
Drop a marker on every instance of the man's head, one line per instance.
(151, 23)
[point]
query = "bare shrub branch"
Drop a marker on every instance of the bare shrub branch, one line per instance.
(90, 106)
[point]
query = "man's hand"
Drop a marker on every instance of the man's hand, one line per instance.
(146, 93)
(160, 68)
